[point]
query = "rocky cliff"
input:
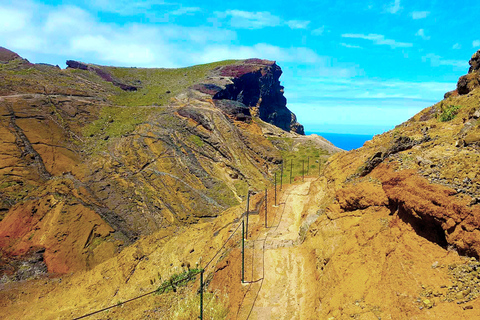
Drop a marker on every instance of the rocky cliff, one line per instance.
(95, 157)
(471, 80)
(256, 84)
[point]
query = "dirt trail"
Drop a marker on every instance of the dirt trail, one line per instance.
(278, 270)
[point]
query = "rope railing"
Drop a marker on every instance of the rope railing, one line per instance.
(160, 289)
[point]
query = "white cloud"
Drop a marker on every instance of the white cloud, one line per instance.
(419, 14)
(436, 60)
(476, 43)
(75, 33)
(123, 53)
(200, 35)
(334, 100)
(185, 10)
(346, 45)
(261, 50)
(126, 7)
(456, 46)
(318, 31)
(385, 113)
(421, 33)
(12, 19)
(68, 20)
(298, 24)
(26, 42)
(71, 32)
(250, 20)
(257, 20)
(378, 39)
(394, 7)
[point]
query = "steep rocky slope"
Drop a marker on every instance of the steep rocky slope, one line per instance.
(94, 157)
(401, 220)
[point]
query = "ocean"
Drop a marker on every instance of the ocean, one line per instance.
(343, 140)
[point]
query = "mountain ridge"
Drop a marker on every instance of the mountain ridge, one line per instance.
(82, 146)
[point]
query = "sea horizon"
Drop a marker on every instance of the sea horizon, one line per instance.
(345, 141)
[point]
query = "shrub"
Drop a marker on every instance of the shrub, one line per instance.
(178, 280)
(448, 113)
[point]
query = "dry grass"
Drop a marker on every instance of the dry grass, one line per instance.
(214, 306)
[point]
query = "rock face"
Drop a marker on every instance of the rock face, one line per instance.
(102, 73)
(470, 81)
(255, 83)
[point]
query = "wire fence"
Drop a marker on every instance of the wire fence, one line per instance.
(191, 275)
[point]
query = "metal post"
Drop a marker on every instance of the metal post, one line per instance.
(281, 177)
(291, 169)
(319, 162)
(243, 251)
(266, 206)
(248, 203)
(201, 294)
(308, 164)
(275, 188)
(303, 170)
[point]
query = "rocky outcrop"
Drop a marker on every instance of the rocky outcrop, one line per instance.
(471, 80)
(398, 145)
(234, 109)
(474, 62)
(255, 84)
(102, 73)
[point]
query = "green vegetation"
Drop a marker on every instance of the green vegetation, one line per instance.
(304, 158)
(158, 86)
(130, 108)
(7, 184)
(178, 280)
(197, 140)
(16, 65)
(241, 187)
(222, 194)
(448, 113)
(115, 122)
(13, 192)
(97, 241)
(214, 307)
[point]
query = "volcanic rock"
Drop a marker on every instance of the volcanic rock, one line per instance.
(255, 84)
(102, 73)
(470, 81)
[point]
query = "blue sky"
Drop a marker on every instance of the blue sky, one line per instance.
(349, 66)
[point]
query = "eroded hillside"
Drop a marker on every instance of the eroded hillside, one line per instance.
(95, 157)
